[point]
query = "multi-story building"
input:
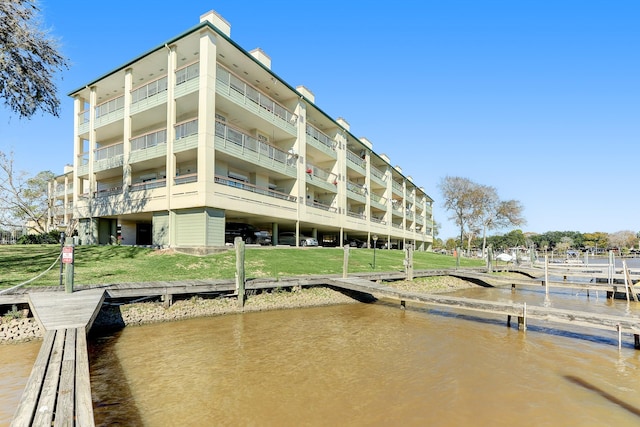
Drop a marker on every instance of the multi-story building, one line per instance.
(199, 132)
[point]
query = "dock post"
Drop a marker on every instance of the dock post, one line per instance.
(636, 341)
(403, 304)
(239, 244)
(546, 274)
(508, 320)
(409, 262)
(619, 336)
(345, 262)
(67, 259)
(522, 320)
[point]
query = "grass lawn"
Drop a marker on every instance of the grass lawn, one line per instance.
(114, 264)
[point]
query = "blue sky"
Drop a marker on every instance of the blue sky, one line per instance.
(538, 98)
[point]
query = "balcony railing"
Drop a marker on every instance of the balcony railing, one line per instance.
(186, 129)
(356, 188)
(149, 90)
(110, 106)
(149, 185)
(109, 152)
(251, 94)
(321, 137)
(353, 157)
(106, 192)
(358, 215)
(187, 73)
(319, 205)
(185, 179)
(378, 220)
(377, 173)
(396, 186)
(149, 140)
(243, 185)
(247, 142)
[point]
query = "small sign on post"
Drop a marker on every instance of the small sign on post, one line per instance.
(67, 260)
(67, 255)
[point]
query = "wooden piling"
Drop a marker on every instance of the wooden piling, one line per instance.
(345, 262)
(239, 245)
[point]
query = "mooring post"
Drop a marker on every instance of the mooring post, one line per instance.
(508, 320)
(345, 262)
(67, 260)
(546, 274)
(403, 304)
(409, 262)
(636, 341)
(239, 245)
(522, 320)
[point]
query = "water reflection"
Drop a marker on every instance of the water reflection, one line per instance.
(367, 364)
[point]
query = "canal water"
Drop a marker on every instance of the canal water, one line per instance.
(364, 365)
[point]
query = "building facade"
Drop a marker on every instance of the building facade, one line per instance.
(199, 132)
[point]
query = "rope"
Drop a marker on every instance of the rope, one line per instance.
(31, 280)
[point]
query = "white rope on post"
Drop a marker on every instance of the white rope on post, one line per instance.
(31, 280)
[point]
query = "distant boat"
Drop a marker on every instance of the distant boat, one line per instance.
(504, 257)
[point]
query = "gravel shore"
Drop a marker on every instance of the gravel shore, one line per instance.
(118, 316)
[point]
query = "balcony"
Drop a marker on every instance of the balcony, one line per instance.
(378, 202)
(378, 176)
(356, 162)
(186, 136)
(397, 188)
(149, 95)
(356, 191)
(185, 179)
(319, 205)
(108, 157)
(230, 182)
(237, 90)
(321, 178)
(321, 141)
(148, 185)
(110, 111)
(187, 79)
(240, 145)
(149, 146)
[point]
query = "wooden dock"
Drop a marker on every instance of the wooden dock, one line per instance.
(58, 391)
(619, 324)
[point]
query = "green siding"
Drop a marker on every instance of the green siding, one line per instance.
(161, 229)
(215, 227)
(190, 227)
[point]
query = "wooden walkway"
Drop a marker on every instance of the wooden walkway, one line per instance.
(58, 391)
(619, 324)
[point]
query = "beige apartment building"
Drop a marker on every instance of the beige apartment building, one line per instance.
(198, 132)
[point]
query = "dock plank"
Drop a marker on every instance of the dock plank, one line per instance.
(84, 404)
(46, 403)
(27, 406)
(64, 415)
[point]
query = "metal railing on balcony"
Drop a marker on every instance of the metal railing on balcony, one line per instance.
(110, 106)
(148, 185)
(187, 73)
(359, 215)
(149, 140)
(150, 89)
(247, 142)
(356, 188)
(321, 174)
(185, 179)
(109, 152)
(377, 173)
(321, 137)
(378, 220)
(186, 129)
(378, 199)
(243, 185)
(252, 94)
(83, 117)
(106, 192)
(396, 186)
(354, 158)
(319, 205)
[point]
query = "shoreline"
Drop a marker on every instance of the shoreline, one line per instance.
(113, 317)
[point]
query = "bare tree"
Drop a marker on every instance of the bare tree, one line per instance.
(622, 239)
(29, 59)
(23, 199)
(478, 209)
(458, 195)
